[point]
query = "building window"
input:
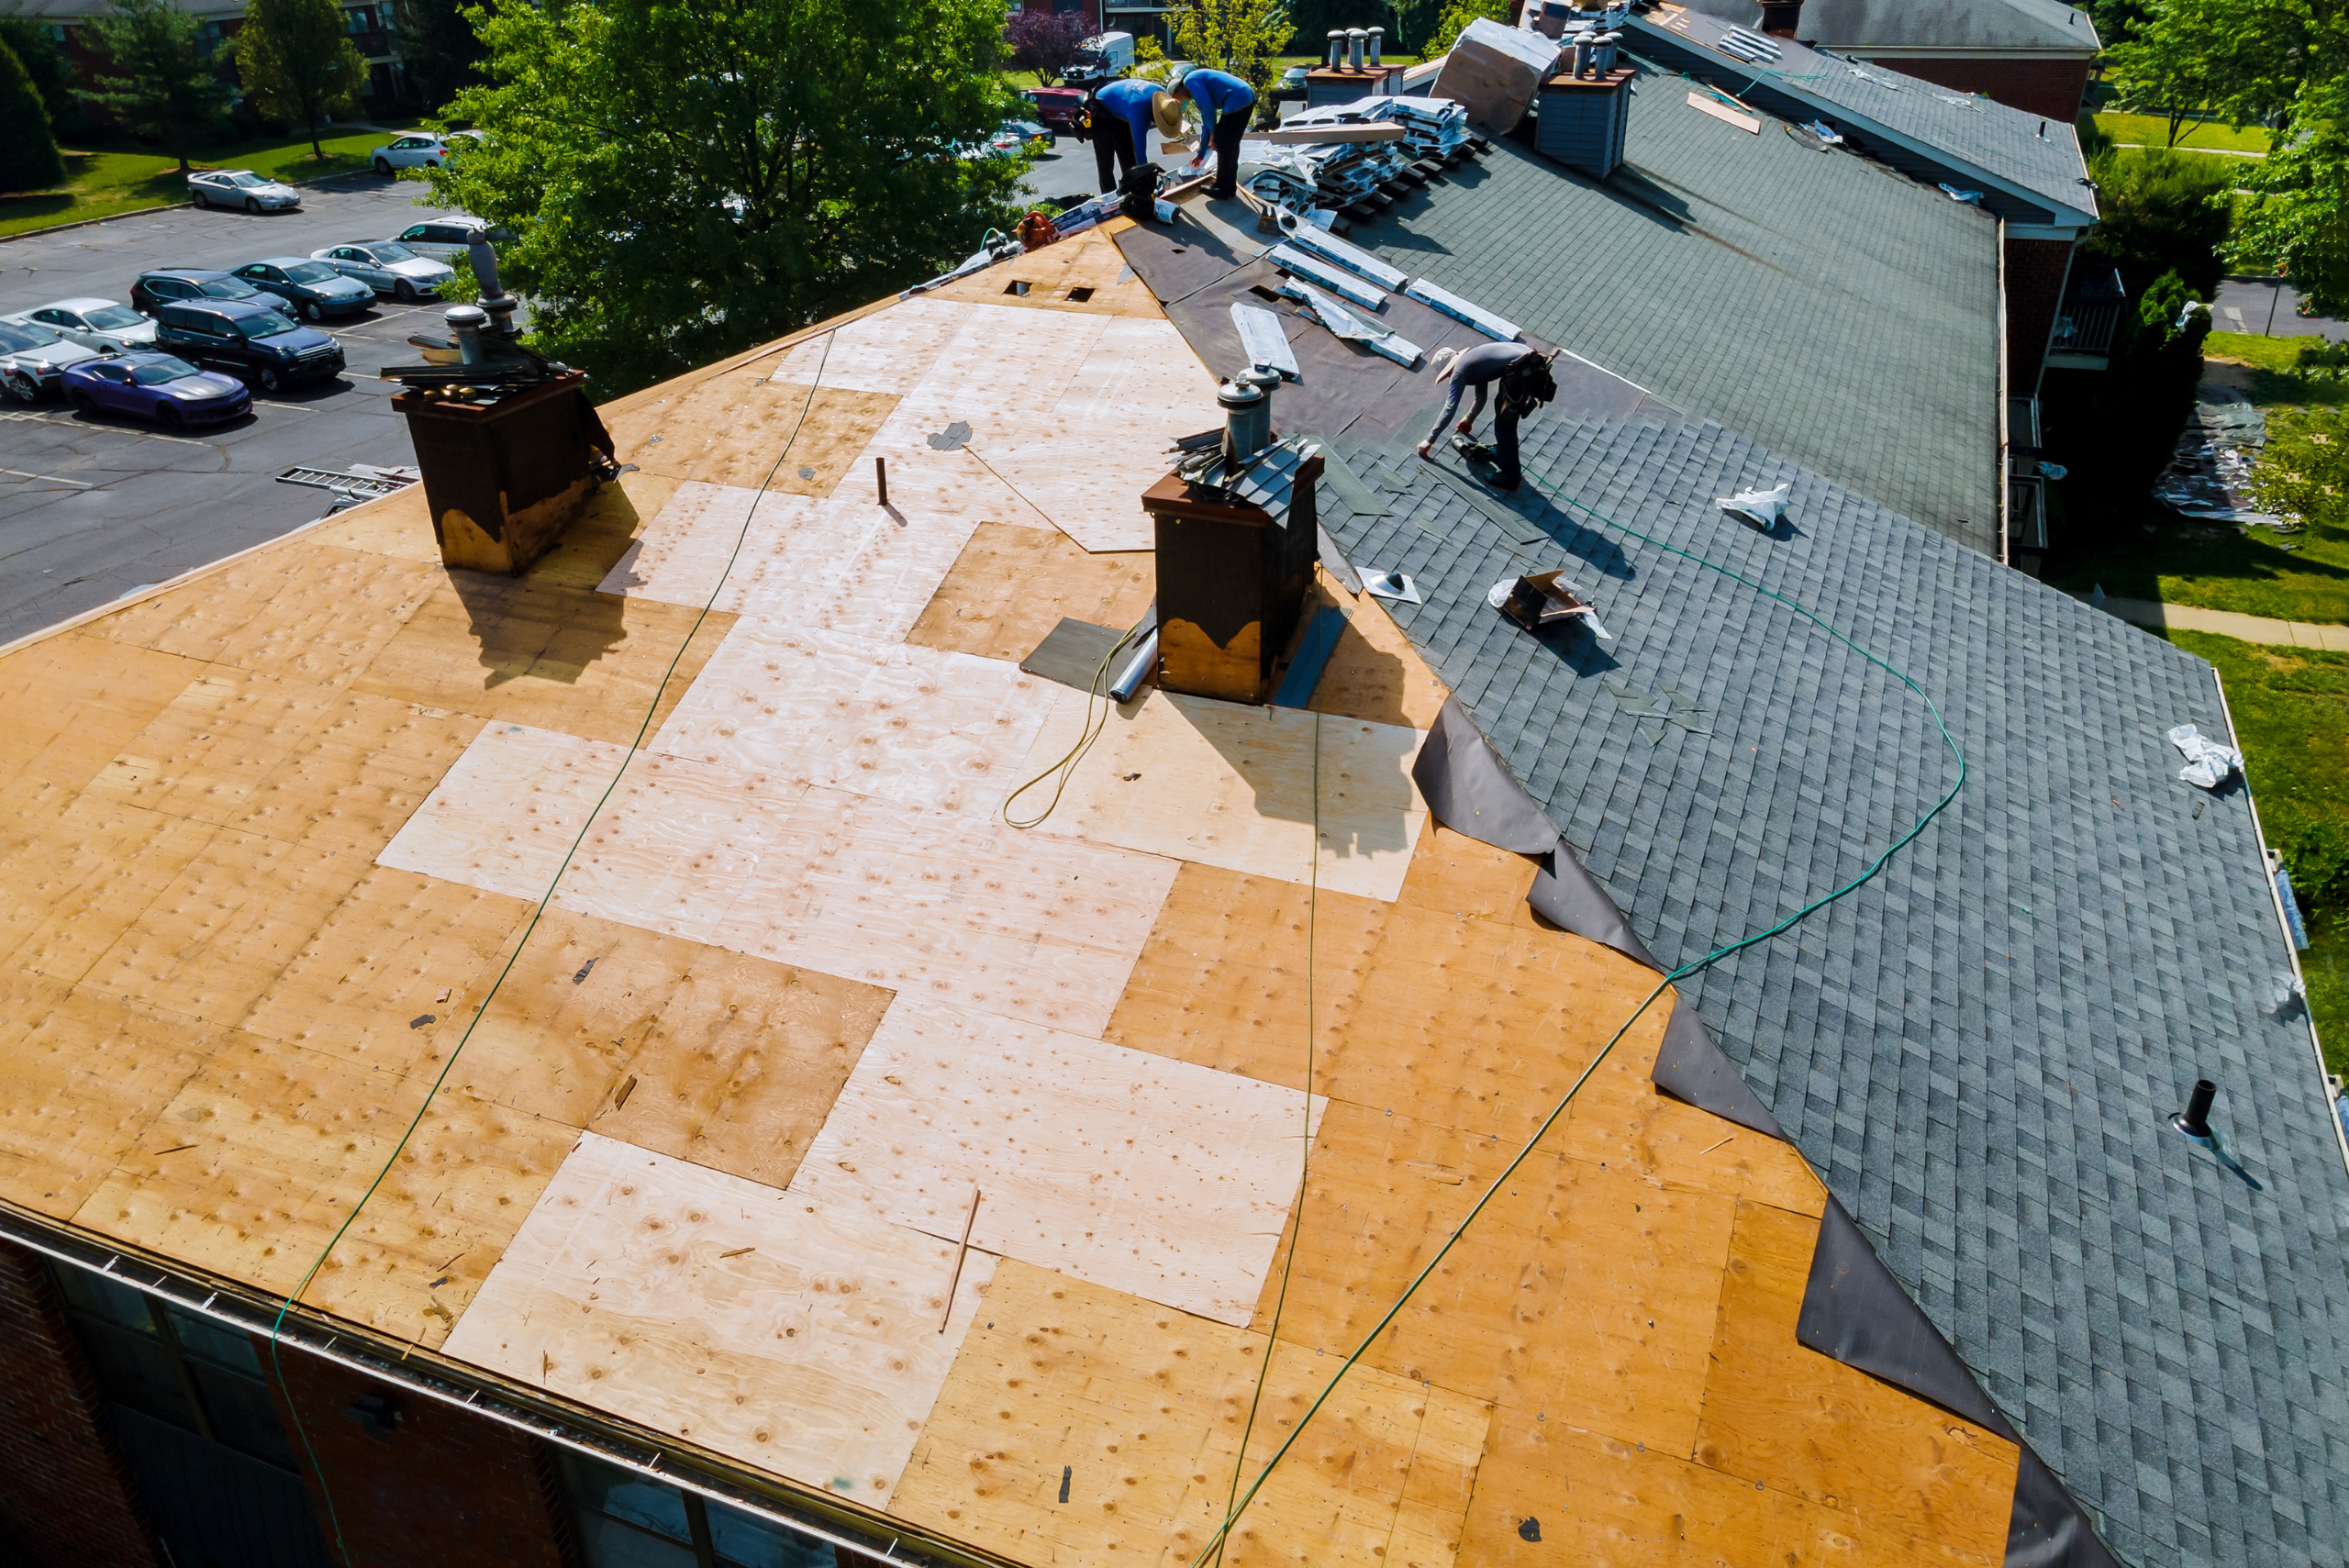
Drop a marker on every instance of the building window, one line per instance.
(627, 1521)
(185, 1370)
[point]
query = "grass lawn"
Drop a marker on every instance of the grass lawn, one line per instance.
(2291, 712)
(2153, 130)
(103, 185)
(2301, 576)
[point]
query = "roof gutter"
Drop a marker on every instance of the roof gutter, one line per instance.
(431, 1376)
(2006, 438)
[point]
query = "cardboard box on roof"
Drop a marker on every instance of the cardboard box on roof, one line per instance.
(1494, 71)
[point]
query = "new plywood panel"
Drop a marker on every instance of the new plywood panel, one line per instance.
(1138, 1411)
(1026, 926)
(686, 554)
(1453, 873)
(531, 653)
(1580, 1290)
(398, 524)
(1003, 371)
(1781, 1414)
(72, 702)
(270, 1147)
(676, 845)
(393, 973)
(592, 543)
(1595, 1500)
(945, 730)
(1252, 789)
(1011, 586)
(82, 1076)
(1088, 262)
(747, 427)
(1374, 672)
(888, 351)
(507, 811)
(795, 1337)
(1147, 1175)
(73, 883)
(304, 610)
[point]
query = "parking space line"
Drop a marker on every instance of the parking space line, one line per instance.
(46, 478)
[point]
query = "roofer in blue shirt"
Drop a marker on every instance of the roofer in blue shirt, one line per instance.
(1225, 103)
(1122, 123)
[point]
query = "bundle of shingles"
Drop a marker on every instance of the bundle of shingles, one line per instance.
(1358, 175)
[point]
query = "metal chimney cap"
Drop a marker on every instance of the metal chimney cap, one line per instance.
(1239, 394)
(466, 317)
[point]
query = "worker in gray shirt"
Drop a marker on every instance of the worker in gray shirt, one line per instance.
(1524, 381)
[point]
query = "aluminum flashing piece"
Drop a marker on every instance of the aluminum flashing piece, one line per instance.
(1314, 270)
(1345, 324)
(1352, 258)
(1691, 1066)
(1459, 309)
(1267, 345)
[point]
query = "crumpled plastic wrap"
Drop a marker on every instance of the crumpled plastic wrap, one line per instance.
(2208, 763)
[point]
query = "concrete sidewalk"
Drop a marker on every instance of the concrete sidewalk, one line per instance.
(2228, 623)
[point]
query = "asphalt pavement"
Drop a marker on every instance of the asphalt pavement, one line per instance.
(93, 507)
(2270, 307)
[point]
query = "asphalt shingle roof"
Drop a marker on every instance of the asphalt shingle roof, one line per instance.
(1977, 1050)
(2017, 26)
(2038, 155)
(1838, 312)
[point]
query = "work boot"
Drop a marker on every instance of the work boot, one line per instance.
(1426, 447)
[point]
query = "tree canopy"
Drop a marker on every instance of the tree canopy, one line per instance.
(2162, 212)
(297, 61)
(440, 51)
(165, 85)
(52, 69)
(1045, 41)
(1454, 20)
(29, 160)
(690, 177)
(1239, 36)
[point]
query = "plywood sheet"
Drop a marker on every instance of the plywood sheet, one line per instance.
(76, 883)
(1089, 261)
(1374, 672)
(391, 978)
(82, 1076)
(303, 611)
(73, 700)
(1023, 924)
(592, 543)
(270, 1146)
(688, 550)
(887, 351)
(531, 653)
(1147, 1175)
(1011, 586)
(398, 524)
(1597, 1500)
(943, 730)
(1138, 1411)
(776, 1331)
(1453, 873)
(508, 811)
(1003, 371)
(1271, 791)
(1785, 1416)
(749, 427)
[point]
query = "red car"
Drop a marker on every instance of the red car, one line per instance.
(1056, 107)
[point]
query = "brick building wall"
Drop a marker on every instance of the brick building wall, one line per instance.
(444, 1486)
(2052, 86)
(2035, 272)
(65, 1499)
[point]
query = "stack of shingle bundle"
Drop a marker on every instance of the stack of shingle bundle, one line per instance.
(1331, 174)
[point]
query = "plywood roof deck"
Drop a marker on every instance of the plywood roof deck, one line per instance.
(695, 1137)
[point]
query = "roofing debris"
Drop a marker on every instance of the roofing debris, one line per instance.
(2209, 475)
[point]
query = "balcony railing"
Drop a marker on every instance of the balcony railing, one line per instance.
(2089, 316)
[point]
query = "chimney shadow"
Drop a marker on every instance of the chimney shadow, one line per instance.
(542, 631)
(1364, 778)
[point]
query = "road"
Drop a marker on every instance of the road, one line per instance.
(2267, 306)
(92, 508)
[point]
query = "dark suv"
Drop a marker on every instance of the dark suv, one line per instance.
(248, 341)
(159, 288)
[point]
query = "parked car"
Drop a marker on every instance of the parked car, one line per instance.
(250, 342)
(388, 267)
(155, 387)
(154, 290)
(444, 239)
(424, 149)
(314, 289)
(1016, 134)
(32, 358)
(1056, 107)
(1291, 85)
(94, 323)
(241, 188)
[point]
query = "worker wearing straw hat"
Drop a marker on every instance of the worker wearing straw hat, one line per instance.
(1139, 109)
(1225, 105)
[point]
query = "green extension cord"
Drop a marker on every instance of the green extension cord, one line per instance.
(1215, 1544)
(277, 1324)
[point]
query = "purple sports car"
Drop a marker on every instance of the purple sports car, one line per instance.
(155, 387)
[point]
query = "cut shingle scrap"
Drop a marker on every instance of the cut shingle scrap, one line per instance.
(1976, 1051)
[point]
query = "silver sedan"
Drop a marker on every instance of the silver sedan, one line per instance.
(388, 267)
(102, 324)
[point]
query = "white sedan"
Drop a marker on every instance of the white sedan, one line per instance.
(241, 188)
(388, 267)
(99, 324)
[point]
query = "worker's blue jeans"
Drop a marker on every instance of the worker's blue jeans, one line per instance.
(1504, 429)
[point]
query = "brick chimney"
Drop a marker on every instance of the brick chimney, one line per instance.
(1779, 16)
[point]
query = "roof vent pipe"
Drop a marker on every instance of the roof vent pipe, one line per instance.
(1377, 37)
(1602, 52)
(1337, 47)
(1247, 404)
(2195, 1120)
(1355, 38)
(1780, 17)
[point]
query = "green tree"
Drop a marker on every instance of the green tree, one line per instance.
(1457, 15)
(688, 177)
(2235, 59)
(2162, 212)
(51, 69)
(440, 51)
(2298, 218)
(297, 61)
(1240, 36)
(29, 160)
(164, 85)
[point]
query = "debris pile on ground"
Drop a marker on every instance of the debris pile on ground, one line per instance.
(2209, 474)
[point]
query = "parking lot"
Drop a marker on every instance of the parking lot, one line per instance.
(93, 506)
